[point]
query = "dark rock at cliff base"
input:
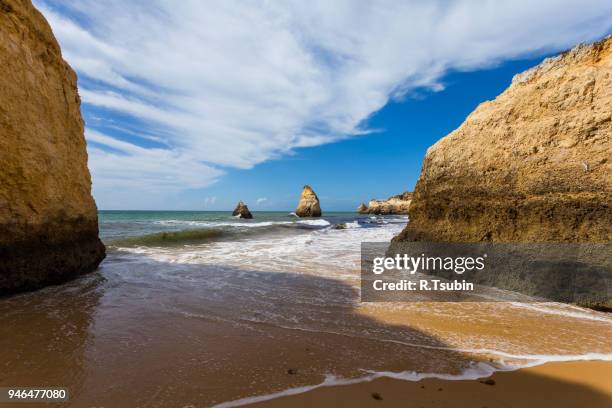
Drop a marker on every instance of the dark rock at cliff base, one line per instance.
(309, 204)
(533, 165)
(48, 218)
(242, 211)
(397, 204)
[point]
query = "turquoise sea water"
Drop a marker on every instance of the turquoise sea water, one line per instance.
(164, 227)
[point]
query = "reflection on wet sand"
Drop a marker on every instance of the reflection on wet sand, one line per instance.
(45, 335)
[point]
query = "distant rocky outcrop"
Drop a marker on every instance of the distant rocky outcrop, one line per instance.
(48, 218)
(533, 165)
(309, 204)
(242, 211)
(397, 204)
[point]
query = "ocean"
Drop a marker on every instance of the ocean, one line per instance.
(204, 309)
(271, 241)
(115, 225)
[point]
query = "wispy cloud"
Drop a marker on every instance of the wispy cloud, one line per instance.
(261, 200)
(210, 201)
(237, 83)
(126, 166)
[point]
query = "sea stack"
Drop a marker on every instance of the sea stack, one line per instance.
(48, 218)
(533, 165)
(362, 209)
(309, 204)
(242, 211)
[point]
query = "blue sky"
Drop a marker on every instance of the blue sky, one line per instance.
(195, 105)
(377, 165)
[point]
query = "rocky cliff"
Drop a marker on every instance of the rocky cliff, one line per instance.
(532, 165)
(397, 204)
(242, 211)
(308, 205)
(48, 218)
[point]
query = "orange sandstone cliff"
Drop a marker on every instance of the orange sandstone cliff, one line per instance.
(533, 165)
(397, 204)
(48, 218)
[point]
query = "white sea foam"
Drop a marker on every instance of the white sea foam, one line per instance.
(534, 359)
(565, 310)
(330, 380)
(476, 371)
(321, 251)
(215, 224)
(244, 224)
(317, 223)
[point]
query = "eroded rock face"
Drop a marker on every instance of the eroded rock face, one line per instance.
(242, 211)
(398, 204)
(533, 165)
(309, 204)
(48, 218)
(362, 209)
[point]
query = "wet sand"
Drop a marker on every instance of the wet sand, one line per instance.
(136, 339)
(567, 384)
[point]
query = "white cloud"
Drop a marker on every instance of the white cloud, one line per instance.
(237, 83)
(140, 176)
(261, 200)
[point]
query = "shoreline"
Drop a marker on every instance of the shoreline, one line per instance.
(559, 384)
(225, 326)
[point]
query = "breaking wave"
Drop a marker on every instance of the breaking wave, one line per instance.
(213, 231)
(169, 238)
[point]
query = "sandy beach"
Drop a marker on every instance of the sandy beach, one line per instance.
(567, 384)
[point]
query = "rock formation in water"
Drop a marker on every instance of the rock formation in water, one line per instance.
(309, 204)
(397, 204)
(242, 211)
(362, 209)
(533, 165)
(48, 218)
